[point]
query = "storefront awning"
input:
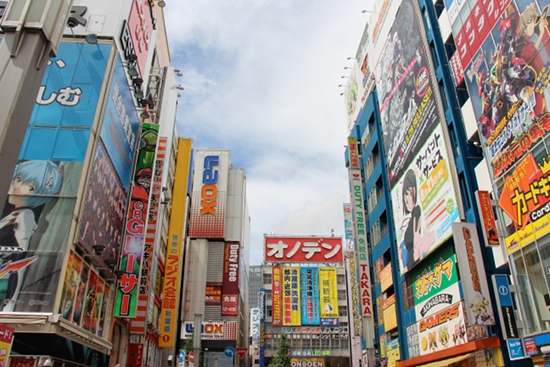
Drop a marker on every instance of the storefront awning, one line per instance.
(446, 362)
(446, 356)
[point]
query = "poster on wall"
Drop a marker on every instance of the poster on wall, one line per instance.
(328, 290)
(508, 82)
(291, 296)
(39, 210)
(424, 202)
(276, 291)
(408, 107)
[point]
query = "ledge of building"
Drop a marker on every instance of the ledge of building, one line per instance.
(487, 343)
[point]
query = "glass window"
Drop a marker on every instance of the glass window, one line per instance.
(525, 294)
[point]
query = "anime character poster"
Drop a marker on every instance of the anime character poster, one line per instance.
(134, 237)
(102, 218)
(508, 83)
(408, 108)
(80, 295)
(424, 202)
(37, 217)
(70, 287)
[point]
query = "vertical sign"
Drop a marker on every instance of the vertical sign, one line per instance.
(261, 304)
(309, 278)
(130, 263)
(474, 281)
(348, 221)
(208, 204)
(138, 324)
(174, 252)
(329, 296)
(276, 279)
(489, 226)
(230, 290)
(6, 339)
(506, 307)
(291, 296)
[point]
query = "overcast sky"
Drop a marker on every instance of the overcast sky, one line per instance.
(261, 79)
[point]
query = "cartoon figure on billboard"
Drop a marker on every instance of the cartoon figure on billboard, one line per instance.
(480, 308)
(415, 244)
(33, 185)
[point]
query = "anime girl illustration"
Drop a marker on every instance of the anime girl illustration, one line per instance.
(33, 185)
(414, 245)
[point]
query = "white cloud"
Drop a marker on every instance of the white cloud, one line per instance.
(261, 79)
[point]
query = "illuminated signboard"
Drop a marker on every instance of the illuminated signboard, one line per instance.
(312, 249)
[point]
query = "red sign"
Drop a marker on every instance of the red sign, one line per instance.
(230, 286)
(191, 357)
(312, 249)
(241, 352)
(488, 218)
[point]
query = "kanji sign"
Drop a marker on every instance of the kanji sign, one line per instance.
(312, 249)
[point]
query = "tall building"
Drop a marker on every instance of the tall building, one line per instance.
(88, 220)
(439, 123)
(255, 277)
(304, 296)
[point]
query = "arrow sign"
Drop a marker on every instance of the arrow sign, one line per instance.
(242, 352)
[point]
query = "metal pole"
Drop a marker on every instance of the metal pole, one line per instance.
(197, 333)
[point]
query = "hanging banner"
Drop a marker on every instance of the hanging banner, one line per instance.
(230, 287)
(328, 296)
(291, 296)
(474, 281)
(132, 250)
(309, 278)
(276, 284)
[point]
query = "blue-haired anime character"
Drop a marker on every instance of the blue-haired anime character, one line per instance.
(34, 183)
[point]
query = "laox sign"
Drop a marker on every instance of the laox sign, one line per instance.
(209, 191)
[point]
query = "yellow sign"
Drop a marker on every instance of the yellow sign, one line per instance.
(386, 278)
(174, 252)
(291, 296)
(328, 294)
(390, 315)
(532, 231)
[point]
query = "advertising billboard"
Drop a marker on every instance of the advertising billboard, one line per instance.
(38, 213)
(360, 232)
(119, 129)
(309, 279)
(435, 283)
(390, 314)
(85, 297)
(356, 326)
(508, 82)
(328, 289)
(386, 279)
(173, 270)
(477, 298)
(408, 107)
(136, 220)
(222, 330)
(140, 24)
(209, 197)
(6, 340)
(424, 202)
(276, 291)
(138, 324)
(230, 286)
(310, 249)
(291, 296)
(255, 324)
(348, 221)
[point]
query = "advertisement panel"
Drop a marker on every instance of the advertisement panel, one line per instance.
(138, 325)
(353, 298)
(360, 232)
(442, 330)
(436, 283)
(479, 308)
(390, 315)
(307, 362)
(408, 107)
(386, 279)
(134, 236)
(209, 197)
(6, 339)
(39, 210)
(119, 129)
(255, 324)
(486, 212)
(424, 202)
(291, 296)
(213, 294)
(508, 82)
(230, 286)
(261, 304)
(298, 249)
(174, 252)
(222, 330)
(276, 291)
(392, 352)
(328, 288)
(348, 221)
(309, 279)
(141, 30)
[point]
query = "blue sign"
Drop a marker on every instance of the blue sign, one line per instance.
(229, 352)
(503, 290)
(181, 356)
(515, 349)
(309, 281)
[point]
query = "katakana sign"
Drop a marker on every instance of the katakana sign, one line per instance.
(310, 249)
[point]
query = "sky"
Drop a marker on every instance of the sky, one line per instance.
(262, 79)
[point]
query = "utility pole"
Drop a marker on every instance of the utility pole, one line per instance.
(33, 30)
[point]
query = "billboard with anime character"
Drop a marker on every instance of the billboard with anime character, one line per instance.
(37, 218)
(508, 83)
(408, 107)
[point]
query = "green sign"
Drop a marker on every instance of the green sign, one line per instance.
(434, 274)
